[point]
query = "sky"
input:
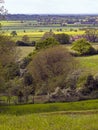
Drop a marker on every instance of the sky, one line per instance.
(52, 6)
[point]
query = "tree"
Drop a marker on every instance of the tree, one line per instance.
(47, 35)
(91, 35)
(28, 86)
(83, 47)
(63, 38)
(88, 84)
(12, 70)
(7, 50)
(49, 42)
(14, 33)
(7, 55)
(25, 38)
(3, 11)
(50, 68)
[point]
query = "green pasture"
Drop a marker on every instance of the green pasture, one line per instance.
(49, 122)
(89, 64)
(88, 106)
(17, 23)
(81, 115)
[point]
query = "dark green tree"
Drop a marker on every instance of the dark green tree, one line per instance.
(63, 38)
(49, 42)
(13, 33)
(47, 35)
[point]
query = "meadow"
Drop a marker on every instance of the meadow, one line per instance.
(49, 122)
(56, 116)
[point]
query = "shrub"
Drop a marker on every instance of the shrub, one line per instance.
(63, 38)
(83, 47)
(50, 68)
(49, 42)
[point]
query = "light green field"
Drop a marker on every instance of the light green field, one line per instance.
(49, 122)
(89, 63)
(56, 116)
(24, 51)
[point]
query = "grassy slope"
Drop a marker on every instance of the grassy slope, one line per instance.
(52, 107)
(89, 63)
(24, 51)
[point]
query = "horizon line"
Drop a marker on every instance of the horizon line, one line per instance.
(52, 14)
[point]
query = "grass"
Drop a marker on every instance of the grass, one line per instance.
(49, 122)
(89, 63)
(24, 51)
(57, 116)
(52, 107)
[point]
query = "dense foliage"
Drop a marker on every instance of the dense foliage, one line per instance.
(48, 42)
(83, 47)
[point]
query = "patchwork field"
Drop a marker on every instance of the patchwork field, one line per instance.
(34, 31)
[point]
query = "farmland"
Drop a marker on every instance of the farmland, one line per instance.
(82, 115)
(34, 32)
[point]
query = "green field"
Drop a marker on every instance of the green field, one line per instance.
(36, 36)
(89, 63)
(49, 122)
(24, 51)
(33, 31)
(56, 116)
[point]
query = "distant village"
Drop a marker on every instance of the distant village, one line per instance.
(56, 20)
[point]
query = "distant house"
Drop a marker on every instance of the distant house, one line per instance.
(77, 23)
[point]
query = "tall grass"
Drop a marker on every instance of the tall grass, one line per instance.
(49, 122)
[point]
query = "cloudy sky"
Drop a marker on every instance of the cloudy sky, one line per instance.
(52, 6)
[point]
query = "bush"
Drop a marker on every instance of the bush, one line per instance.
(83, 47)
(21, 43)
(49, 42)
(87, 84)
(47, 35)
(62, 38)
(50, 68)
